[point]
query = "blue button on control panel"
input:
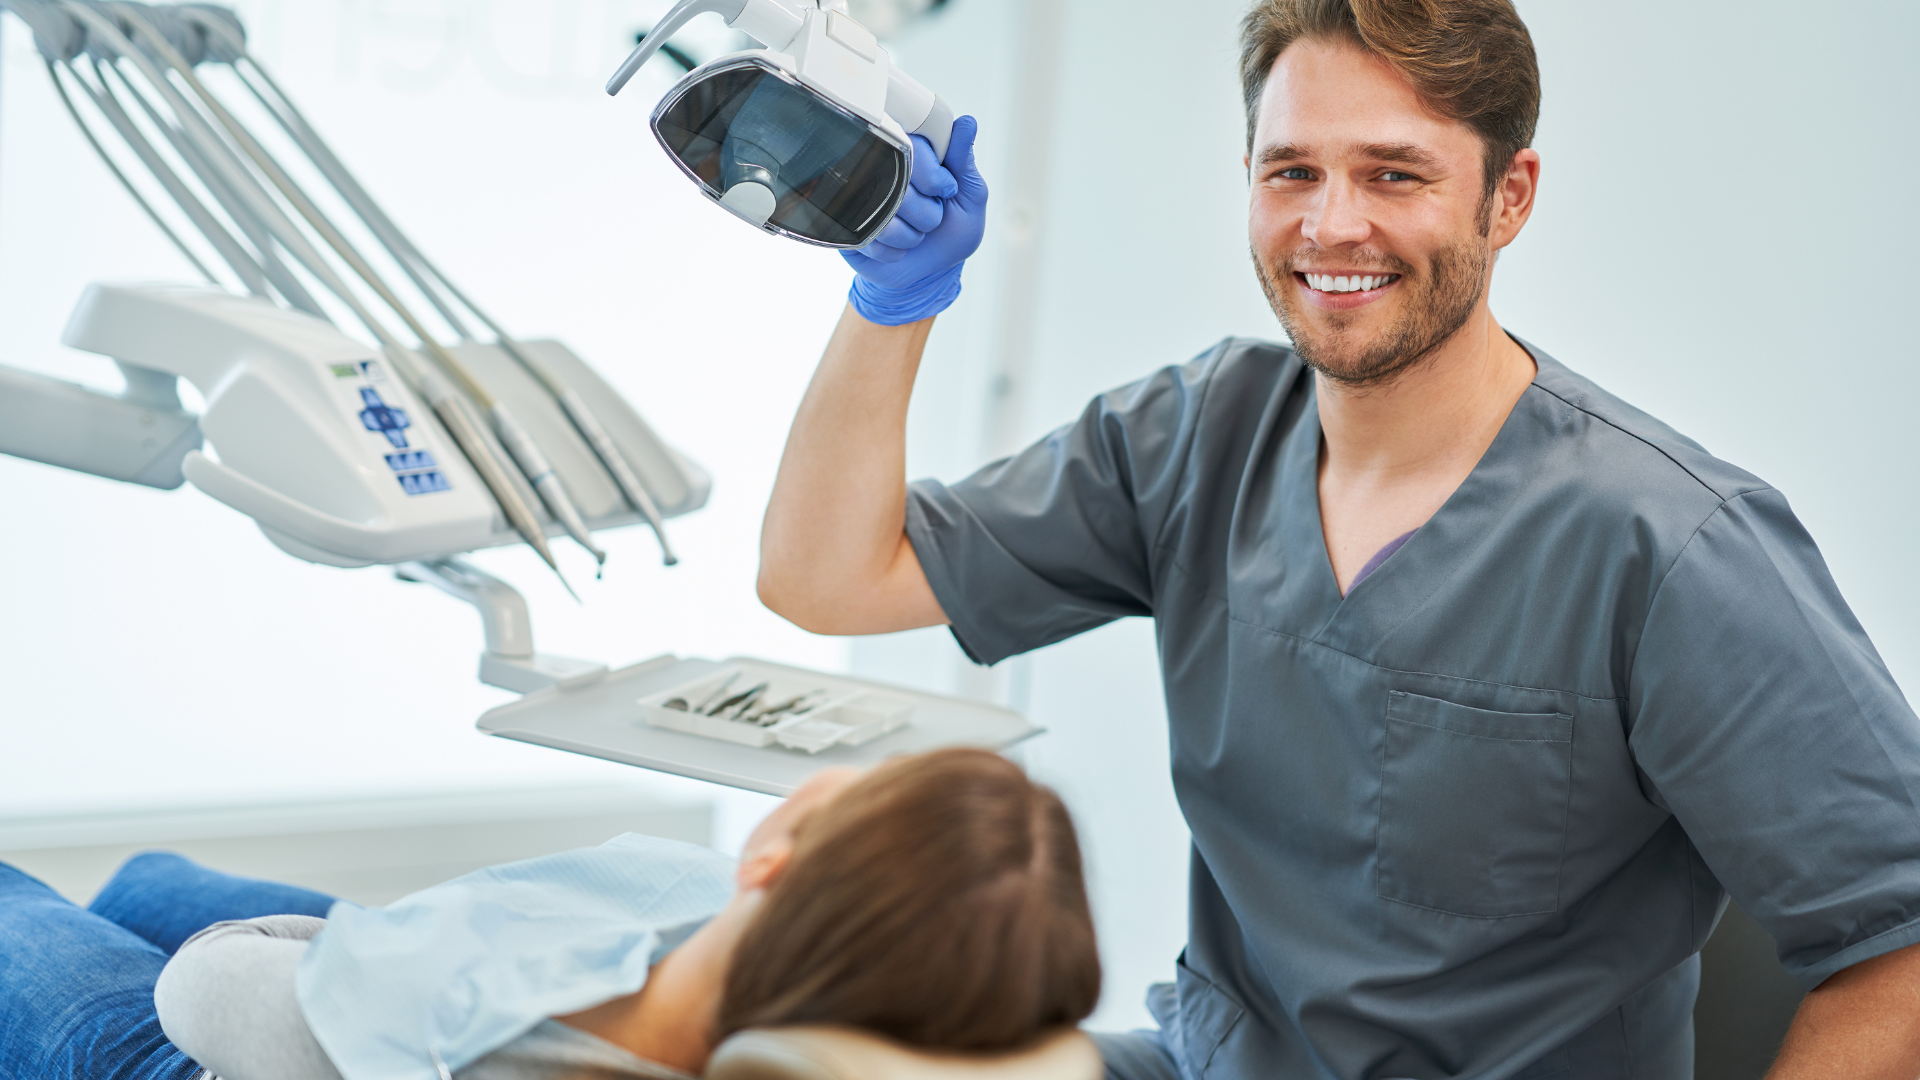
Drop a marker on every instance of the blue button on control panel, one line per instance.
(412, 461)
(384, 418)
(422, 483)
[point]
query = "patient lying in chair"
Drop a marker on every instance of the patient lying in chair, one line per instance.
(937, 901)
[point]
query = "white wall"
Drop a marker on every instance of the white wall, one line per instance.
(1722, 239)
(1724, 217)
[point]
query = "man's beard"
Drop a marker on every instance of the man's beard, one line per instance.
(1438, 305)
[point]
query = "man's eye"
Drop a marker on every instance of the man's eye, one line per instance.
(1295, 173)
(1394, 176)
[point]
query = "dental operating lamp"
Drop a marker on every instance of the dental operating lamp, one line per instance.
(410, 454)
(806, 137)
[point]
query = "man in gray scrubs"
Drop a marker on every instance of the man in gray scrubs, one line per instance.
(1486, 688)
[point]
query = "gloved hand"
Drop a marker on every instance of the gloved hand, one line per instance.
(911, 271)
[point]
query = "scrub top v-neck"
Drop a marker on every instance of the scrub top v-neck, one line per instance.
(1474, 817)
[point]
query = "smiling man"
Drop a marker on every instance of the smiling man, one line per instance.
(1485, 687)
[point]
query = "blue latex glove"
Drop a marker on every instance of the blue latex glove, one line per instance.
(911, 270)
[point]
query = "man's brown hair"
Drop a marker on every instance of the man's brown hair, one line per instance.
(1469, 60)
(939, 901)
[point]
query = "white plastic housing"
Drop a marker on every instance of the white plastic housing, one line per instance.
(139, 436)
(320, 442)
(770, 23)
(826, 49)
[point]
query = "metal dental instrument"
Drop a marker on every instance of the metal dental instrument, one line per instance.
(434, 388)
(771, 709)
(727, 704)
(520, 444)
(525, 452)
(768, 716)
(230, 47)
(745, 701)
(716, 692)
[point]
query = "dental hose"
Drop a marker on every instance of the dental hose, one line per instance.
(418, 268)
(440, 396)
(519, 443)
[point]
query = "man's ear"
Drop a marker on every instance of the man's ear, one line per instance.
(1514, 202)
(764, 866)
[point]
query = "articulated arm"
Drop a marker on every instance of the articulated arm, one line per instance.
(682, 14)
(509, 661)
(139, 436)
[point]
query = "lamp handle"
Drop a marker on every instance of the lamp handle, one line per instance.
(682, 13)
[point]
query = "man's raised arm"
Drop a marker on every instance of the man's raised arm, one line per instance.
(834, 555)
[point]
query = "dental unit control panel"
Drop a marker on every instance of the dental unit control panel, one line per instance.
(410, 451)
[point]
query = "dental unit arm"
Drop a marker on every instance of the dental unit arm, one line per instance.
(344, 453)
(822, 45)
(351, 453)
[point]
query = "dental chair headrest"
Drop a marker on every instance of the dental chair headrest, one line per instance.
(834, 1053)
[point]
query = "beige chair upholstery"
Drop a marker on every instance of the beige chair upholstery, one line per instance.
(829, 1053)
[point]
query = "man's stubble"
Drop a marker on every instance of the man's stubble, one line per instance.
(1443, 297)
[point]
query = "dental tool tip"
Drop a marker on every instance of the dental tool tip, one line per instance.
(546, 556)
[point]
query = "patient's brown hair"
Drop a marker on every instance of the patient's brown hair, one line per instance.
(939, 901)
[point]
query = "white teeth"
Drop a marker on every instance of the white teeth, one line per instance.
(1346, 282)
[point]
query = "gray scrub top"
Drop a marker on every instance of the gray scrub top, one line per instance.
(1475, 818)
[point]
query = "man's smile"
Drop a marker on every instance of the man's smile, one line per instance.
(1342, 291)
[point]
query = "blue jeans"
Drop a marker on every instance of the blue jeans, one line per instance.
(76, 985)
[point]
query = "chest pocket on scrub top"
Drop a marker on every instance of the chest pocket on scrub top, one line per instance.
(1473, 807)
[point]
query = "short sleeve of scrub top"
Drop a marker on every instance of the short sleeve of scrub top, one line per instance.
(1478, 815)
(1766, 722)
(1054, 541)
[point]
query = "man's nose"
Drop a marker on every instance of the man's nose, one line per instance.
(1337, 217)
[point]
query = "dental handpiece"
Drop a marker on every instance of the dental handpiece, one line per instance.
(439, 395)
(419, 269)
(616, 463)
(544, 480)
(447, 406)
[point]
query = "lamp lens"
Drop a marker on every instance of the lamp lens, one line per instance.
(834, 179)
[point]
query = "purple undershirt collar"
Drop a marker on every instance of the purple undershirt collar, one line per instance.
(1379, 557)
